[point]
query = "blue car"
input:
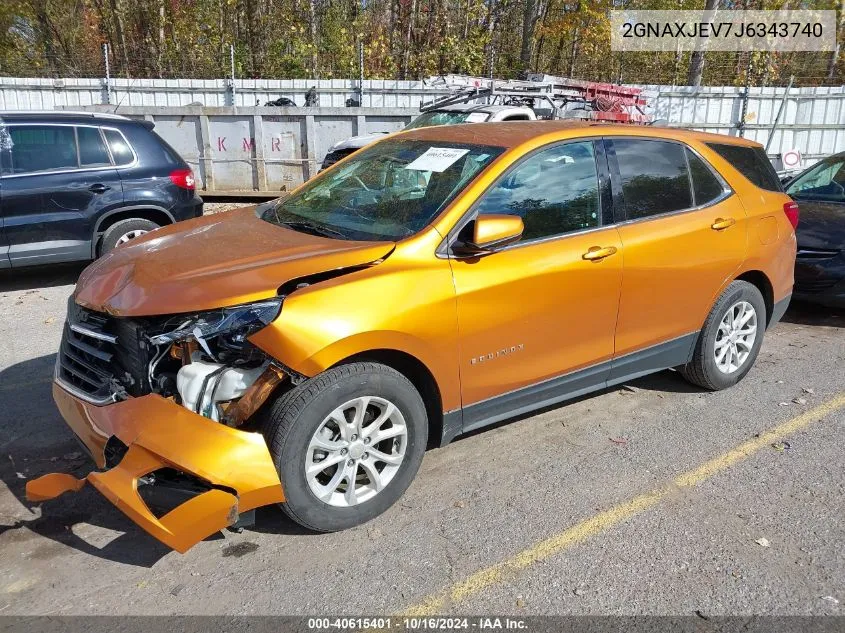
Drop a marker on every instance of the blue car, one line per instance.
(820, 264)
(75, 185)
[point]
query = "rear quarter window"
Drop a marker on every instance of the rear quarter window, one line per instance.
(120, 150)
(751, 162)
(706, 187)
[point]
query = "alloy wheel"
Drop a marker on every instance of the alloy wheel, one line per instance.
(129, 235)
(356, 451)
(735, 337)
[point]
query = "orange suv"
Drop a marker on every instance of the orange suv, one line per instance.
(306, 351)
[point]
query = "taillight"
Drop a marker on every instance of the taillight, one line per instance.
(792, 212)
(183, 178)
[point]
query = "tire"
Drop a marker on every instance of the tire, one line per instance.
(303, 416)
(118, 230)
(704, 368)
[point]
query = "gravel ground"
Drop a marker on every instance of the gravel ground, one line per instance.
(530, 517)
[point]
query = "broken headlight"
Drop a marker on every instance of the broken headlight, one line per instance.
(237, 321)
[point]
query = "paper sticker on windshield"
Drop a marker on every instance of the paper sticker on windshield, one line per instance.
(476, 117)
(437, 159)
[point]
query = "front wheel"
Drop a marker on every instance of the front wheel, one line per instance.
(347, 444)
(730, 339)
(121, 232)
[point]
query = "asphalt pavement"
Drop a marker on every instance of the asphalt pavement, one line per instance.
(652, 498)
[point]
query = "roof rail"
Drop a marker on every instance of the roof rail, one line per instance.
(79, 113)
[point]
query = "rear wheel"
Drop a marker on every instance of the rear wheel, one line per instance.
(124, 231)
(730, 339)
(347, 444)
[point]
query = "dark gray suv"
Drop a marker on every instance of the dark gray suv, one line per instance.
(74, 185)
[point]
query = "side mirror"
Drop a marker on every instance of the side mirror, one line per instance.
(490, 232)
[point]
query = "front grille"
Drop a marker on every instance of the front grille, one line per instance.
(102, 358)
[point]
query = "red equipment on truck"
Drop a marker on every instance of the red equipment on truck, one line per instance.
(549, 96)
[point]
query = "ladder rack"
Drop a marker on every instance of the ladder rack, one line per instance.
(564, 98)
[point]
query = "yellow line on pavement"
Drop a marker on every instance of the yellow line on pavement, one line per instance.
(607, 519)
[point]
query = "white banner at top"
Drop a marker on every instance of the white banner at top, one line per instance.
(718, 30)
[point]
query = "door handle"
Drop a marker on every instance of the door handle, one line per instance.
(98, 188)
(722, 223)
(596, 253)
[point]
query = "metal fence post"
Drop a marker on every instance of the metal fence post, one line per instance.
(780, 111)
(107, 95)
(361, 74)
(232, 61)
(310, 146)
(744, 111)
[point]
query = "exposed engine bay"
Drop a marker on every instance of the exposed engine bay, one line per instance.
(203, 361)
(206, 363)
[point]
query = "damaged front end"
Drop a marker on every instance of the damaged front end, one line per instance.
(166, 407)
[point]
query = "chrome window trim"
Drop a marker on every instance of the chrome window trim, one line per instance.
(553, 238)
(725, 195)
(444, 249)
(76, 169)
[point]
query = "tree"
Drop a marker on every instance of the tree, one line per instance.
(696, 64)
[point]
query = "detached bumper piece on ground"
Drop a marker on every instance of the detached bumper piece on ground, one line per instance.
(157, 434)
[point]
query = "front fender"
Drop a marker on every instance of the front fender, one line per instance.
(399, 305)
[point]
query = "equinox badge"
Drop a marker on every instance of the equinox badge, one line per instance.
(506, 351)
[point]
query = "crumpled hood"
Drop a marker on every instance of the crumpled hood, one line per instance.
(212, 262)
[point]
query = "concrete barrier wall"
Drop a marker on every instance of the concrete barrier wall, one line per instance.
(247, 150)
(234, 151)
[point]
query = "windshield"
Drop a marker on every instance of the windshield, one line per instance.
(427, 119)
(385, 192)
(825, 182)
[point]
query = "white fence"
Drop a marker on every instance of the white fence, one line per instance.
(813, 120)
(47, 94)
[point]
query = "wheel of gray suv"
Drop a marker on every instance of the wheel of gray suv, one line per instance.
(123, 231)
(730, 339)
(347, 444)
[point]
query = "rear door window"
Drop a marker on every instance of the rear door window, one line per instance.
(92, 149)
(120, 150)
(706, 187)
(653, 176)
(37, 148)
(751, 162)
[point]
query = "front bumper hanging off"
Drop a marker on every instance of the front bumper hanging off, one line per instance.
(159, 434)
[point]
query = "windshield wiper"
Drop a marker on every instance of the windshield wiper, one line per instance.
(314, 229)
